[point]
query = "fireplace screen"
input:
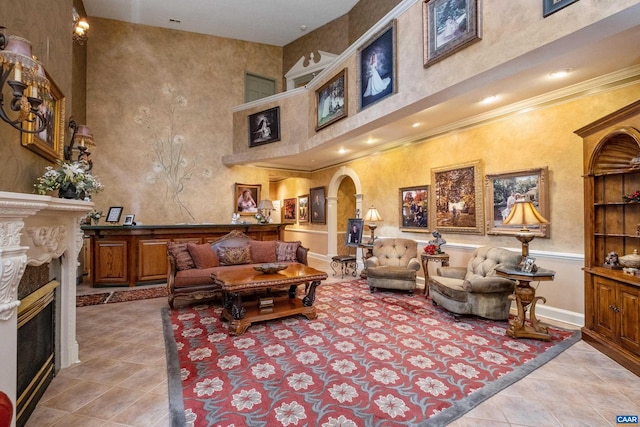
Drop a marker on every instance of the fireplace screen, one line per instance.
(36, 349)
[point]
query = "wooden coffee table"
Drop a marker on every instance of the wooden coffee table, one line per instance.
(238, 281)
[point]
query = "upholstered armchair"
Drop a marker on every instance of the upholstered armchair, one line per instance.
(476, 289)
(393, 265)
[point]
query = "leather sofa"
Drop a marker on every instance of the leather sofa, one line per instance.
(476, 289)
(394, 264)
(191, 264)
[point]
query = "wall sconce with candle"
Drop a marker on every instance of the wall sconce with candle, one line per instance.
(83, 136)
(80, 28)
(28, 76)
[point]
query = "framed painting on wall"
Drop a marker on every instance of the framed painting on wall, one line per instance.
(289, 210)
(49, 142)
(303, 208)
(247, 198)
(264, 127)
(503, 189)
(456, 200)
(414, 212)
(331, 101)
(448, 27)
(317, 207)
(552, 6)
(377, 67)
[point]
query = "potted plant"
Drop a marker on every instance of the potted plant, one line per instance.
(71, 179)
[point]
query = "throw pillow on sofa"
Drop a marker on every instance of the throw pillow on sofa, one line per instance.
(234, 255)
(181, 254)
(203, 255)
(286, 251)
(263, 251)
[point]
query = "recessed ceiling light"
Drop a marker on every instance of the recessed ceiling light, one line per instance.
(371, 141)
(489, 99)
(303, 27)
(560, 73)
(342, 151)
(416, 124)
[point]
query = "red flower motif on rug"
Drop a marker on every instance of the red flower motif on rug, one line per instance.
(368, 359)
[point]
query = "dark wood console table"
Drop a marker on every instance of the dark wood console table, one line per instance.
(137, 255)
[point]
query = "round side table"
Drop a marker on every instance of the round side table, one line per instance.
(443, 259)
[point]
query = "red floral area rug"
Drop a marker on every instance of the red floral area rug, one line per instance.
(385, 358)
(121, 296)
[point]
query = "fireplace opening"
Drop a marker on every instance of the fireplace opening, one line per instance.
(36, 345)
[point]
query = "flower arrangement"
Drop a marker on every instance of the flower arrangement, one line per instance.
(633, 197)
(430, 249)
(66, 175)
(95, 215)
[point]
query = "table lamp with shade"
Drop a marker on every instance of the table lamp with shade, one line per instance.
(524, 213)
(265, 207)
(371, 217)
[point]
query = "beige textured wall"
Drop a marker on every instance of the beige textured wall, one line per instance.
(332, 37)
(519, 142)
(338, 34)
(39, 21)
(159, 103)
(365, 14)
(420, 88)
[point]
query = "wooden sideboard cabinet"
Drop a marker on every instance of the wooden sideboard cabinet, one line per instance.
(137, 255)
(611, 224)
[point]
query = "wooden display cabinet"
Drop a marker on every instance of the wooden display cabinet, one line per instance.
(612, 297)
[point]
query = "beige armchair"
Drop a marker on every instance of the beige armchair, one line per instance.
(393, 265)
(476, 289)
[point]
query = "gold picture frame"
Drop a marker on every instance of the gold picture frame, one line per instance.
(331, 101)
(456, 198)
(532, 184)
(49, 142)
(247, 207)
(414, 208)
(449, 27)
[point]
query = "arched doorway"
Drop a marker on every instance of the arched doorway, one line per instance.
(343, 201)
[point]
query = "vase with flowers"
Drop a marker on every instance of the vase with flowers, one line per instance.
(71, 179)
(431, 249)
(95, 216)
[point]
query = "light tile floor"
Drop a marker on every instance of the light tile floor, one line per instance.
(121, 380)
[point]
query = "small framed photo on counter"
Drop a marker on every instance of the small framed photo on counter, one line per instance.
(128, 220)
(113, 216)
(529, 265)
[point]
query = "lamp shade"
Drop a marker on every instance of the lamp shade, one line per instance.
(266, 204)
(84, 136)
(18, 51)
(372, 215)
(524, 213)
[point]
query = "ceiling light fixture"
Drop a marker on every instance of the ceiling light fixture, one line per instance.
(416, 124)
(489, 99)
(560, 73)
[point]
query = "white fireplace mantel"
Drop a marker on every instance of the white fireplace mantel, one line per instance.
(35, 230)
